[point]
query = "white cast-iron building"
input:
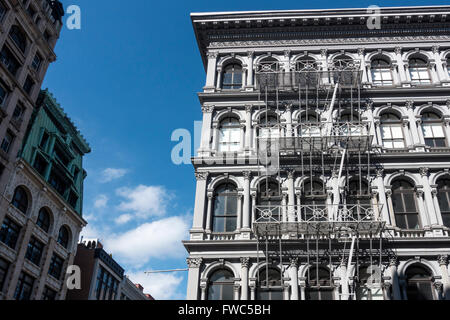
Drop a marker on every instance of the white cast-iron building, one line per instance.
(323, 171)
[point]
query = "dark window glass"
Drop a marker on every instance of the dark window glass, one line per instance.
(225, 208)
(319, 284)
(268, 200)
(220, 285)
(57, 182)
(419, 283)
(2, 11)
(4, 266)
(73, 199)
(20, 199)
(24, 287)
(9, 61)
(18, 37)
(3, 93)
(56, 267)
(28, 85)
(48, 294)
(7, 142)
(9, 233)
(43, 220)
(433, 130)
(313, 202)
(40, 164)
(232, 77)
(63, 237)
(444, 199)
(270, 285)
(36, 64)
(405, 205)
(106, 286)
(18, 112)
(34, 251)
(44, 140)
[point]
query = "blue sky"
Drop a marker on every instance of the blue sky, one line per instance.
(128, 79)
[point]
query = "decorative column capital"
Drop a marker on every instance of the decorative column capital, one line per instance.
(207, 109)
(293, 262)
(201, 176)
(424, 171)
(212, 54)
(250, 54)
(419, 192)
(247, 175)
(435, 49)
(398, 50)
(443, 260)
(291, 174)
(194, 262)
(380, 173)
(439, 286)
(361, 51)
(409, 104)
(323, 52)
(393, 262)
(245, 262)
(248, 107)
(386, 285)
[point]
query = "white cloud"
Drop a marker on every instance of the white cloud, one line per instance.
(111, 174)
(125, 218)
(101, 201)
(159, 240)
(162, 286)
(144, 201)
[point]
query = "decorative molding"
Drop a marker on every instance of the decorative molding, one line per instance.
(207, 109)
(443, 260)
(424, 171)
(247, 175)
(293, 262)
(194, 262)
(393, 262)
(245, 262)
(201, 176)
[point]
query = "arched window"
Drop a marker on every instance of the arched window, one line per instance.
(269, 198)
(232, 77)
(270, 286)
(230, 135)
(392, 131)
(269, 126)
(18, 37)
(63, 237)
(20, 199)
(433, 130)
(43, 220)
(225, 208)
(313, 201)
(309, 125)
(319, 284)
(357, 199)
(220, 285)
(381, 72)
(419, 283)
(444, 199)
(404, 203)
(368, 285)
(269, 65)
(306, 64)
(419, 71)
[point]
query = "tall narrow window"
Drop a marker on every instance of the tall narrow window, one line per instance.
(24, 287)
(63, 237)
(229, 135)
(358, 199)
(34, 251)
(269, 127)
(392, 131)
(18, 37)
(56, 267)
(270, 287)
(225, 208)
(28, 85)
(8, 59)
(404, 203)
(20, 199)
(3, 94)
(43, 220)
(319, 286)
(9, 233)
(36, 64)
(220, 285)
(232, 77)
(4, 266)
(49, 294)
(433, 130)
(313, 201)
(444, 199)
(381, 72)
(368, 285)
(419, 71)
(7, 141)
(419, 284)
(269, 199)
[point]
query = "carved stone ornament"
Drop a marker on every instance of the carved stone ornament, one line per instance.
(194, 262)
(245, 262)
(201, 176)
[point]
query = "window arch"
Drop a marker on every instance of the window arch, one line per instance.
(404, 203)
(433, 130)
(268, 64)
(419, 70)
(306, 64)
(269, 284)
(319, 284)
(269, 198)
(443, 189)
(381, 72)
(419, 283)
(313, 201)
(269, 126)
(20, 199)
(229, 134)
(225, 208)
(232, 77)
(19, 38)
(43, 220)
(392, 131)
(220, 285)
(63, 236)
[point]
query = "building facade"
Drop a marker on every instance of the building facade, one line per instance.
(42, 207)
(102, 278)
(323, 169)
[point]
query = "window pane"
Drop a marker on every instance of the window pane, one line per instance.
(219, 205)
(231, 205)
(230, 224)
(219, 224)
(413, 221)
(397, 132)
(410, 202)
